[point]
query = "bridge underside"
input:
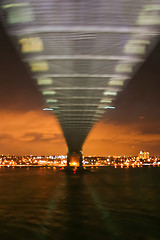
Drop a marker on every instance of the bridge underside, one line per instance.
(81, 53)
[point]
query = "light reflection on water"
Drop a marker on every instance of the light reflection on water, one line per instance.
(40, 203)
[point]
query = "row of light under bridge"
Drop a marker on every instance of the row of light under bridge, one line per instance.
(81, 53)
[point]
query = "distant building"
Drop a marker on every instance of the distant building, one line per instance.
(143, 155)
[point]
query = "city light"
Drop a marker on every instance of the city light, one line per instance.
(143, 159)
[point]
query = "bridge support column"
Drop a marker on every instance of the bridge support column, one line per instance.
(74, 159)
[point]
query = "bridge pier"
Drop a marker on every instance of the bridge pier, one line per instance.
(74, 159)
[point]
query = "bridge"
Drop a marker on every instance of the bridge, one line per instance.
(81, 54)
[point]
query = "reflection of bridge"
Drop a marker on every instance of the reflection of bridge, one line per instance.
(81, 53)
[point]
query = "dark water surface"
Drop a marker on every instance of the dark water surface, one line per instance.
(40, 203)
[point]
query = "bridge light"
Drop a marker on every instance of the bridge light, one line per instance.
(152, 7)
(149, 15)
(124, 67)
(116, 83)
(109, 107)
(106, 100)
(47, 109)
(47, 81)
(14, 5)
(19, 13)
(134, 49)
(110, 93)
(51, 100)
(149, 20)
(54, 107)
(138, 41)
(48, 92)
(34, 44)
(39, 66)
(136, 46)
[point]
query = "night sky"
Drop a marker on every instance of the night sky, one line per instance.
(25, 129)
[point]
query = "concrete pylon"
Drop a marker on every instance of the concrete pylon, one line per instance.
(74, 159)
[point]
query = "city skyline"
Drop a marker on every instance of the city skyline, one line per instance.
(26, 129)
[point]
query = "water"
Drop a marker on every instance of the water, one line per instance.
(43, 204)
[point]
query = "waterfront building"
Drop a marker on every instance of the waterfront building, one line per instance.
(143, 155)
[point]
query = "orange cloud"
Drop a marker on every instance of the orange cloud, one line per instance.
(33, 132)
(37, 132)
(115, 139)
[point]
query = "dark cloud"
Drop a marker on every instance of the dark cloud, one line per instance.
(153, 128)
(142, 125)
(6, 136)
(32, 137)
(36, 137)
(58, 137)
